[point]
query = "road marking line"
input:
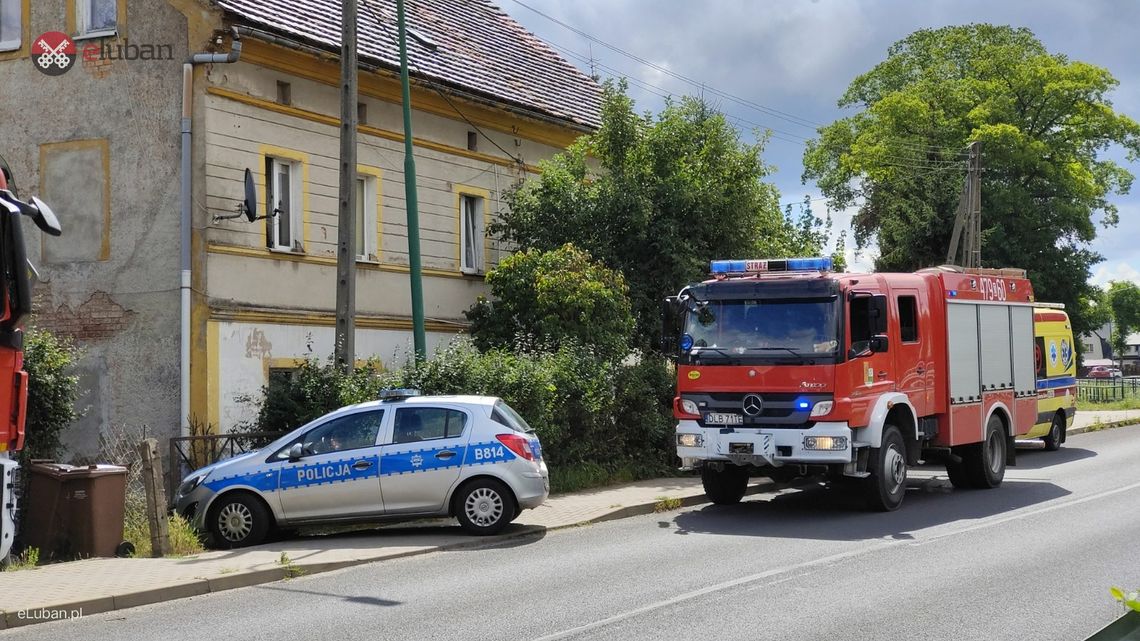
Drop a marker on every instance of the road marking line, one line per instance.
(1022, 515)
(710, 589)
(876, 545)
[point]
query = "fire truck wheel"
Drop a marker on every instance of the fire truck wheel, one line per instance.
(1056, 434)
(885, 487)
(957, 472)
(238, 519)
(985, 462)
(726, 486)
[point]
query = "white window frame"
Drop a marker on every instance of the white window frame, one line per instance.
(16, 6)
(273, 190)
(471, 232)
(83, 18)
(366, 214)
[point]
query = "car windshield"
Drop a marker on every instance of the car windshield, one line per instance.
(766, 327)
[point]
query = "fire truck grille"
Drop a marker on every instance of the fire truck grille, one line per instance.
(787, 410)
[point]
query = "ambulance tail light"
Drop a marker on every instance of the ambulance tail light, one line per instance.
(517, 444)
(685, 408)
(757, 266)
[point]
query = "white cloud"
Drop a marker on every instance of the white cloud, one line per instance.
(1118, 270)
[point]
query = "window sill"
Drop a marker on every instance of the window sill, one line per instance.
(362, 260)
(96, 34)
(283, 250)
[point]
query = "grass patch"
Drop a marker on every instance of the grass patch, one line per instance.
(184, 540)
(584, 476)
(27, 560)
(1124, 404)
(292, 570)
(666, 504)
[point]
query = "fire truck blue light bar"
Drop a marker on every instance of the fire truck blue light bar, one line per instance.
(819, 263)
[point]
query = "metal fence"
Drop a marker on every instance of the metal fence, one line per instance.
(1107, 390)
(188, 453)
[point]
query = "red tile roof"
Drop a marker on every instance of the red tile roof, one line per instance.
(480, 49)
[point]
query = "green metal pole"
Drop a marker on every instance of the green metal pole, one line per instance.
(410, 195)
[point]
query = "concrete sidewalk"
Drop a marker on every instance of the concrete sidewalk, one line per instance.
(99, 585)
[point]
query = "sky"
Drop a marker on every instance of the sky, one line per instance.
(786, 63)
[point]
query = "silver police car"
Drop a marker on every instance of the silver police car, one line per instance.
(403, 456)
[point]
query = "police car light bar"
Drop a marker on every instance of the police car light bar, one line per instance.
(397, 394)
(819, 263)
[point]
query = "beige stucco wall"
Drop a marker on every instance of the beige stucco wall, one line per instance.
(240, 124)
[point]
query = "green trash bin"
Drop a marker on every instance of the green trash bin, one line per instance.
(74, 511)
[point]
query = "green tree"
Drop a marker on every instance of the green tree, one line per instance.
(546, 297)
(1043, 121)
(1123, 299)
(655, 197)
(52, 392)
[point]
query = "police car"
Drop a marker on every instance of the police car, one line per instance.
(403, 456)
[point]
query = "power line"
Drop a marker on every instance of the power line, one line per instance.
(424, 79)
(776, 113)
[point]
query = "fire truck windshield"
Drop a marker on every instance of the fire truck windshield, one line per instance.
(765, 329)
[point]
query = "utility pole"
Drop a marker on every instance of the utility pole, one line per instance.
(968, 221)
(346, 225)
(410, 194)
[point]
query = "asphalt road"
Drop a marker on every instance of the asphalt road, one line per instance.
(1031, 560)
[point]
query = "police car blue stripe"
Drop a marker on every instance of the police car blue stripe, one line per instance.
(408, 461)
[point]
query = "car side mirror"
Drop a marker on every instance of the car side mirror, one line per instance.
(879, 344)
(295, 452)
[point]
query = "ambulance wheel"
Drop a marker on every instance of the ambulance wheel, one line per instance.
(484, 507)
(1056, 434)
(238, 519)
(885, 488)
(725, 486)
(984, 462)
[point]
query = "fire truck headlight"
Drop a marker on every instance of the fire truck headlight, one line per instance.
(690, 440)
(689, 406)
(822, 408)
(829, 443)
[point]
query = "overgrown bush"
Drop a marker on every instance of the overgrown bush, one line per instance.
(310, 391)
(598, 420)
(52, 392)
(554, 296)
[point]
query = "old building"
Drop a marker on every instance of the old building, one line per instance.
(101, 142)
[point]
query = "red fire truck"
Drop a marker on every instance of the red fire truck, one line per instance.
(15, 305)
(788, 369)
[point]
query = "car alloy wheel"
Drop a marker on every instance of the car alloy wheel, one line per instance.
(235, 522)
(484, 507)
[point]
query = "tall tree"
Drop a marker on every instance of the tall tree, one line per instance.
(1044, 122)
(657, 197)
(1123, 299)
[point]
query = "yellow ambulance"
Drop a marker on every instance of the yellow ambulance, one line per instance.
(1056, 375)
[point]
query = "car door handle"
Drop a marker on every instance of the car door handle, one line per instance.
(882, 373)
(362, 465)
(446, 454)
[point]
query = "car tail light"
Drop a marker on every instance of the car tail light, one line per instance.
(517, 444)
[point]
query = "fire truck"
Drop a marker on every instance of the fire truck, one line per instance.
(787, 369)
(15, 305)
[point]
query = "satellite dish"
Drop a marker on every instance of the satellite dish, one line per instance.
(247, 208)
(250, 202)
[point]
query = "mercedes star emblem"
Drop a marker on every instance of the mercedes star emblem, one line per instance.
(753, 404)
